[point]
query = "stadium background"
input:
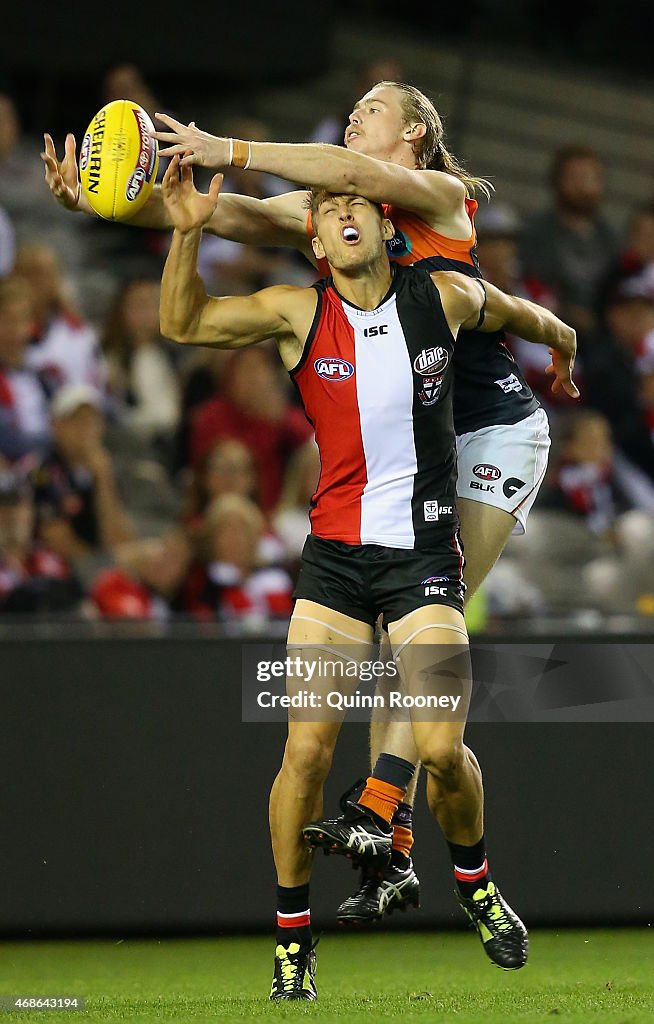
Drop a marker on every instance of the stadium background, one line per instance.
(118, 745)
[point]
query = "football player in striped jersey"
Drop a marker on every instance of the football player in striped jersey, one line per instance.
(384, 537)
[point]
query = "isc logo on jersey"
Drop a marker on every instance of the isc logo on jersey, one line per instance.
(332, 368)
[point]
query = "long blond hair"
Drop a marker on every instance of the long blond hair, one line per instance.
(430, 151)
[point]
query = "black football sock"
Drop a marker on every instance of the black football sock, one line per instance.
(293, 916)
(470, 867)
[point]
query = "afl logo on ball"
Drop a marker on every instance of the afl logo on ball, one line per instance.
(486, 472)
(333, 368)
(85, 152)
(135, 184)
(431, 361)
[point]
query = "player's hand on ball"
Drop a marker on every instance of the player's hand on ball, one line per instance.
(197, 147)
(188, 209)
(62, 178)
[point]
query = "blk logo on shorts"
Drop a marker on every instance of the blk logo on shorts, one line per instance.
(509, 384)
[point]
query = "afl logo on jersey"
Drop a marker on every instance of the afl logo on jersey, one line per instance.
(486, 472)
(431, 361)
(398, 245)
(333, 368)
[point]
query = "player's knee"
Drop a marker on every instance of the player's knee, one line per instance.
(443, 760)
(309, 756)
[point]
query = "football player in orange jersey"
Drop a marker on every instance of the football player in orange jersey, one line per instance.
(394, 153)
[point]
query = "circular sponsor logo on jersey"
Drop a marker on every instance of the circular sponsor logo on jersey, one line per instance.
(398, 245)
(431, 361)
(333, 368)
(486, 472)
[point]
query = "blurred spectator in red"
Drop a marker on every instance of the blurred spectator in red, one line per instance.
(591, 479)
(597, 508)
(32, 579)
(291, 518)
(79, 511)
(618, 367)
(64, 347)
(229, 584)
(228, 468)
(253, 407)
(498, 229)
(147, 580)
(141, 370)
(600, 508)
(24, 195)
(570, 247)
(638, 250)
(24, 421)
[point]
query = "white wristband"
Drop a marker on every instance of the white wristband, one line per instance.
(249, 156)
(231, 151)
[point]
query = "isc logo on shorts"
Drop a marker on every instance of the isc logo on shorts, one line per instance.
(431, 588)
(333, 368)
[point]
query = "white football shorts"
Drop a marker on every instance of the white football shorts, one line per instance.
(504, 465)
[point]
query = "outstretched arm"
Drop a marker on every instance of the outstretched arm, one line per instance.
(432, 194)
(187, 313)
(467, 297)
(280, 221)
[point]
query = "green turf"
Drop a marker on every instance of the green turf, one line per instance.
(577, 976)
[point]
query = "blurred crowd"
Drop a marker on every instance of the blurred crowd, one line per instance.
(139, 480)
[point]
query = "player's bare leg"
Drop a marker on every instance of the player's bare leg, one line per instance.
(484, 532)
(296, 795)
(430, 646)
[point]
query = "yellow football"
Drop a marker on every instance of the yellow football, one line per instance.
(118, 160)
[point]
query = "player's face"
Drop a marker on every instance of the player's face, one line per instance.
(350, 233)
(377, 124)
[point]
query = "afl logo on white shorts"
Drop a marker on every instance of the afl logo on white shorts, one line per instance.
(332, 368)
(431, 361)
(486, 472)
